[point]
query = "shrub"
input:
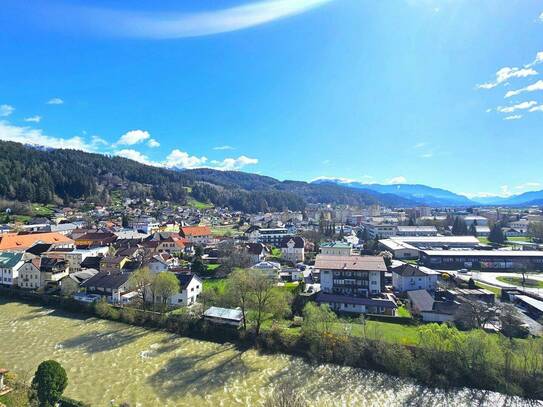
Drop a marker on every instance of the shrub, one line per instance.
(49, 383)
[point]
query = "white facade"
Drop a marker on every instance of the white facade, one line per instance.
(188, 295)
(10, 275)
(293, 253)
(425, 280)
(30, 276)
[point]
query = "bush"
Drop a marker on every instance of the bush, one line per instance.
(68, 402)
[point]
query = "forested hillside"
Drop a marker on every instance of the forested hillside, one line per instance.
(29, 174)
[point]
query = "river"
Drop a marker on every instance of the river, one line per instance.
(110, 362)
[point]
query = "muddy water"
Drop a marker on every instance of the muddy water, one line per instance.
(109, 362)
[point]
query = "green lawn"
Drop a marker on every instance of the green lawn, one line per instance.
(42, 210)
(276, 252)
(225, 230)
(530, 282)
(213, 267)
(218, 284)
(520, 239)
(484, 240)
(197, 204)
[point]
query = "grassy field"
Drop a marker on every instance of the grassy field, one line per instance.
(520, 239)
(42, 210)
(218, 284)
(227, 230)
(530, 282)
(213, 267)
(197, 204)
(484, 240)
(389, 332)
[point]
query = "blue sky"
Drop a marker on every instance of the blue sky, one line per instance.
(447, 93)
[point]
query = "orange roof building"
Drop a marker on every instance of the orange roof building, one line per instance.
(195, 231)
(20, 242)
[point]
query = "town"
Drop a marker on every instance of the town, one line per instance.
(390, 270)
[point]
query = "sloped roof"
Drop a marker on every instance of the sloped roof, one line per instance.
(11, 241)
(421, 299)
(10, 259)
(299, 242)
(106, 279)
(196, 231)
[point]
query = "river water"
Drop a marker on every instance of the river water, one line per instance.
(110, 362)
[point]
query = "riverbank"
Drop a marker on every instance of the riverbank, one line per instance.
(107, 361)
(442, 356)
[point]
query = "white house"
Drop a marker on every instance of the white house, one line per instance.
(191, 287)
(293, 248)
(407, 277)
(10, 263)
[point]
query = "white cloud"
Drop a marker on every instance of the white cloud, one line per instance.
(231, 164)
(530, 88)
(537, 109)
(538, 59)
(519, 106)
(33, 119)
(6, 110)
(220, 148)
(506, 73)
(97, 141)
(133, 137)
(135, 155)
(181, 159)
(420, 145)
(55, 101)
(28, 135)
(153, 143)
(513, 117)
(162, 25)
(397, 180)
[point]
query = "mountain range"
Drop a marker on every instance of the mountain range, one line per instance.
(31, 174)
(438, 197)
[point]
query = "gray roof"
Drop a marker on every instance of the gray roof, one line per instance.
(224, 313)
(421, 299)
(350, 263)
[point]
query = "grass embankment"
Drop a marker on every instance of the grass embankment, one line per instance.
(193, 203)
(529, 282)
(496, 290)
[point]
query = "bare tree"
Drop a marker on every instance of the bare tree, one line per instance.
(475, 314)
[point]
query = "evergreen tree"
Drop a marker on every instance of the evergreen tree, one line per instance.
(496, 234)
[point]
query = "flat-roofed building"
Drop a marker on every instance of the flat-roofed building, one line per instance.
(409, 247)
(416, 231)
(485, 260)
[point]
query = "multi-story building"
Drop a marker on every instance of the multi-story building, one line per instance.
(336, 249)
(353, 284)
(10, 264)
(293, 248)
(407, 277)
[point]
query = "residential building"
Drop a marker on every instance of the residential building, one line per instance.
(190, 288)
(21, 242)
(271, 236)
(71, 284)
(353, 284)
(144, 224)
(52, 270)
(336, 249)
(10, 264)
(93, 239)
(408, 277)
(423, 304)
(30, 276)
(115, 287)
(293, 248)
(257, 251)
(197, 234)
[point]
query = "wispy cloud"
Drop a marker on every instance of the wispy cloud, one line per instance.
(519, 106)
(221, 148)
(530, 88)
(55, 101)
(538, 59)
(507, 73)
(153, 143)
(33, 119)
(232, 164)
(538, 108)
(6, 110)
(163, 25)
(513, 117)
